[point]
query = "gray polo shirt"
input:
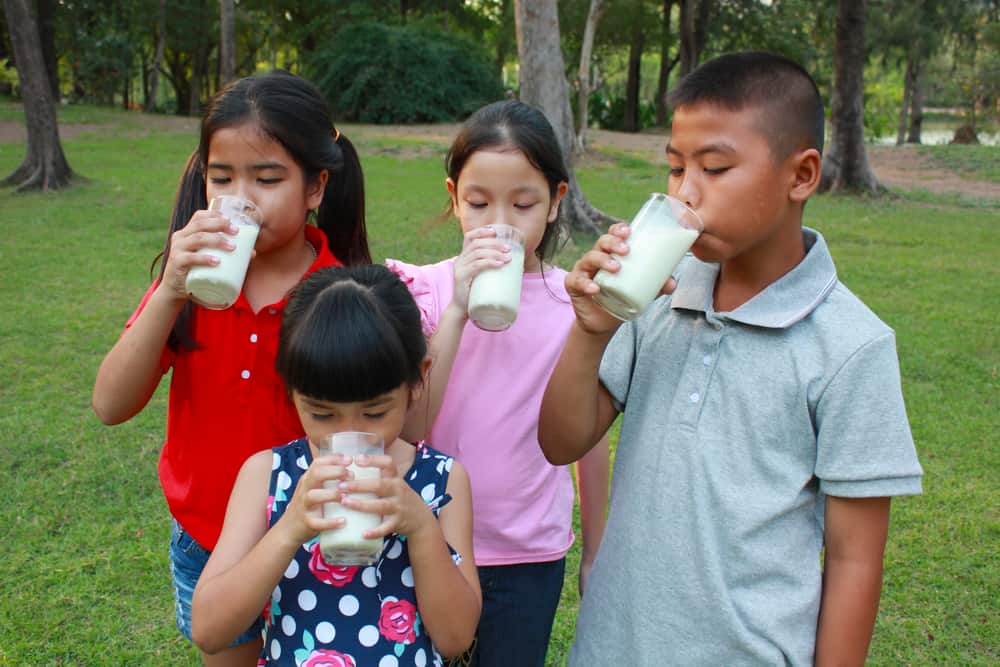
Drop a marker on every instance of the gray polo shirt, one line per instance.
(735, 425)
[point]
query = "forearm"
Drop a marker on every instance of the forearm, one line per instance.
(130, 372)
(227, 602)
(449, 604)
(851, 593)
(573, 391)
(592, 472)
(442, 348)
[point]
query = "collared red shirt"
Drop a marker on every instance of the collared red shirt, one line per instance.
(226, 403)
(735, 427)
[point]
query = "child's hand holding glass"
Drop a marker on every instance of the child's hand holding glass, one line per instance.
(480, 250)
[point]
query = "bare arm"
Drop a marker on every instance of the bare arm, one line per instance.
(130, 372)
(442, 349)
(855, 535)
(592, 473)
(448, 595)
(480, 250)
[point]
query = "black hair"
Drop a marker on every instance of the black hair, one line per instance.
(350, 334)
(291, 111)
(791, 108)
(514, 124)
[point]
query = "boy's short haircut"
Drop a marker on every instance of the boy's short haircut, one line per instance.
(791, 108)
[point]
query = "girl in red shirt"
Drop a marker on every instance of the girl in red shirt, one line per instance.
(269, 139)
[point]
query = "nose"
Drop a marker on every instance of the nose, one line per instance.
(688, 191)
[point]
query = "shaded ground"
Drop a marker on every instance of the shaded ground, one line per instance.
(900, 167)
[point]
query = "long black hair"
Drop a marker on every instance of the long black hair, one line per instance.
(514, 124)
(350, 334)
(292, 111)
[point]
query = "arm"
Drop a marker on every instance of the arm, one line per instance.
(131, 371)
(448, 595)
(249, 560)
(592, 479)
(480, 250)
(855, 536)
(574, 387)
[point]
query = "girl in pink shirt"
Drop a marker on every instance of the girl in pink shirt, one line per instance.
(486, 387)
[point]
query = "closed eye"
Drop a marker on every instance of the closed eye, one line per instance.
(676, 171)
(716, 171)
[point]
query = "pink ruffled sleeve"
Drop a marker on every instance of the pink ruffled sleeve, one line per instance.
(422, 288)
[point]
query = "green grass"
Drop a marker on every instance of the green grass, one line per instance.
(972, 161)
(84, 528)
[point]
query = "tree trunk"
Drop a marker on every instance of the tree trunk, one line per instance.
(199, 71)
(47, 35)
(161, 41)
(916, 104)
(845, 165)
(503, 38)
(689, 54)
(44, 167)
(904, 107)
(227, 45)
(666, 65)
(597, 8)
(634, 77)
(543, 85)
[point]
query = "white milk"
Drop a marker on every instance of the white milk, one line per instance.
(345, 545)
(654, 252)
(219, 286)
(496, 293)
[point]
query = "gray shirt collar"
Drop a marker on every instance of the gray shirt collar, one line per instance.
(782, 303)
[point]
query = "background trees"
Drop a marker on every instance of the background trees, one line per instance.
(618, 65)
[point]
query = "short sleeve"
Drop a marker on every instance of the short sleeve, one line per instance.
(864, 444)
(167, 357)
(618, 363)
(423, 293)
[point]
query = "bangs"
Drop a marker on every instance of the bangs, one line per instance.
(369, 359)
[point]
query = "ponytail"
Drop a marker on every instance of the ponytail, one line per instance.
(341, 216)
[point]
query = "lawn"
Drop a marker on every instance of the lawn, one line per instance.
(85, 528)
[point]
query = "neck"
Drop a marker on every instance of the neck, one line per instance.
(272, 275)
(743, 277)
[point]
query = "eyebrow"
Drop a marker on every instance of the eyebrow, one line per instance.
(378, 400)
(720, 147)
(260, 166)
(524, 189)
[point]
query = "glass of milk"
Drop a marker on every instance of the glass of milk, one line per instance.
(496, 293)
(345, 545)
(219, 286)
(663, 230)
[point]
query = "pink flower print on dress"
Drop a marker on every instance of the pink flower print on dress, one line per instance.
(335, 575)
(328, 658)
(398, 620)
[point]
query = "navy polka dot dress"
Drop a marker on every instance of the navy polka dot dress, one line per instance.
(324, 615)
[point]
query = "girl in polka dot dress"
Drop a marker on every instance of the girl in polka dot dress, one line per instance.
(353, 356)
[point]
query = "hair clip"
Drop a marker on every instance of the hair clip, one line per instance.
(336, 135)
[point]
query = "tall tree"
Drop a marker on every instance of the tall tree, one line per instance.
(916, 106)
(44, 166)
(543, 84)
(161, 41)
(688, 49)
(47, 34)
(227, 44)
(667, 64)
(633, 81)
(845, 164)
(597, 8)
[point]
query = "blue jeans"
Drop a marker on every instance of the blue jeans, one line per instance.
(187, 560)
(519, 605)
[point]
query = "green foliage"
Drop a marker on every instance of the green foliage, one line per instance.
(883, 96)
(607, 111)
(410, 74)
(8, 75)
(979, 162)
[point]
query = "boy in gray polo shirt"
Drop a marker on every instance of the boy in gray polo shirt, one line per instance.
(762, 413)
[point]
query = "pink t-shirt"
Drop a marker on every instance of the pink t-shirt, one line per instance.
(522, 505)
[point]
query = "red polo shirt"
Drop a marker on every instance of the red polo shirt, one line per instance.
(226, 403)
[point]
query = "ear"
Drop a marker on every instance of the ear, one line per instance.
(417, 390)
(806, 168)
(315, 190)
(453, 193)
(561, 191)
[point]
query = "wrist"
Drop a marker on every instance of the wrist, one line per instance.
(456, 313)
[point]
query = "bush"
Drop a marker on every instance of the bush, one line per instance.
(374, 73)
(607, 111)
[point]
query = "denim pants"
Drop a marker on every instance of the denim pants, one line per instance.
(519, 605)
